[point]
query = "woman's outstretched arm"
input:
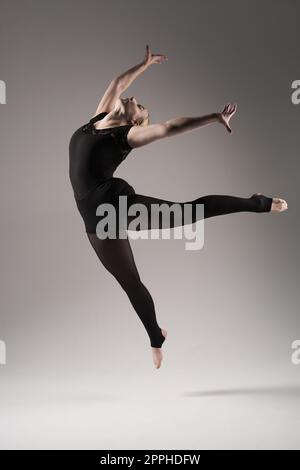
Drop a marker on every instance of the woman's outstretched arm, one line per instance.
(120, 83)
(143, 135)
(184, 124)
(125, 79)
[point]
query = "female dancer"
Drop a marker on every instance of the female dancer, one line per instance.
(97, 148)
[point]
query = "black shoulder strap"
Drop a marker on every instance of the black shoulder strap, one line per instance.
(94, 119)
(98, 117)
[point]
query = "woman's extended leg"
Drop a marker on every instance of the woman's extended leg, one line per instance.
(117, 257)
(214, 205)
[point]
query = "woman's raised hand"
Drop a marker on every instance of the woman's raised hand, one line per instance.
(227, 114)
(153, 58)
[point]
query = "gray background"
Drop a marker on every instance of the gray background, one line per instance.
(79, 372)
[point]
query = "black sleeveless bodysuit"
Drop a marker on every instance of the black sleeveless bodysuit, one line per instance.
(94, 155)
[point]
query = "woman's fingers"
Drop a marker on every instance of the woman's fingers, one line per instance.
(148, 53)
(154, 58)
(225, 109)
(229, 109)
(227, 113)
(233, 108)
(159, 57)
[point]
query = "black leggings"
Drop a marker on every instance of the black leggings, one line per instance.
(117, 257)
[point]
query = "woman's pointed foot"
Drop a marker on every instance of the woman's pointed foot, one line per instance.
(278, 204)
(157, 353)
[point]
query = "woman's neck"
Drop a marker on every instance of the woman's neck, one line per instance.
(115, 119)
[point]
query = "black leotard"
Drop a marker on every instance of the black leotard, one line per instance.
(94, 155)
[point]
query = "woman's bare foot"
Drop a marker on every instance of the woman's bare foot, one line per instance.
(278, 204)
(157, 352)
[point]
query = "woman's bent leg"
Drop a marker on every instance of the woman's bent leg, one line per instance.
(117, 257)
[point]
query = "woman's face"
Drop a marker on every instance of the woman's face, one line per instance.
(133, 109)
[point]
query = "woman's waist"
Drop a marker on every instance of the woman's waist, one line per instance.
(100, 183)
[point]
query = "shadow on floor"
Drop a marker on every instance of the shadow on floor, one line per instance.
(276, 390)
